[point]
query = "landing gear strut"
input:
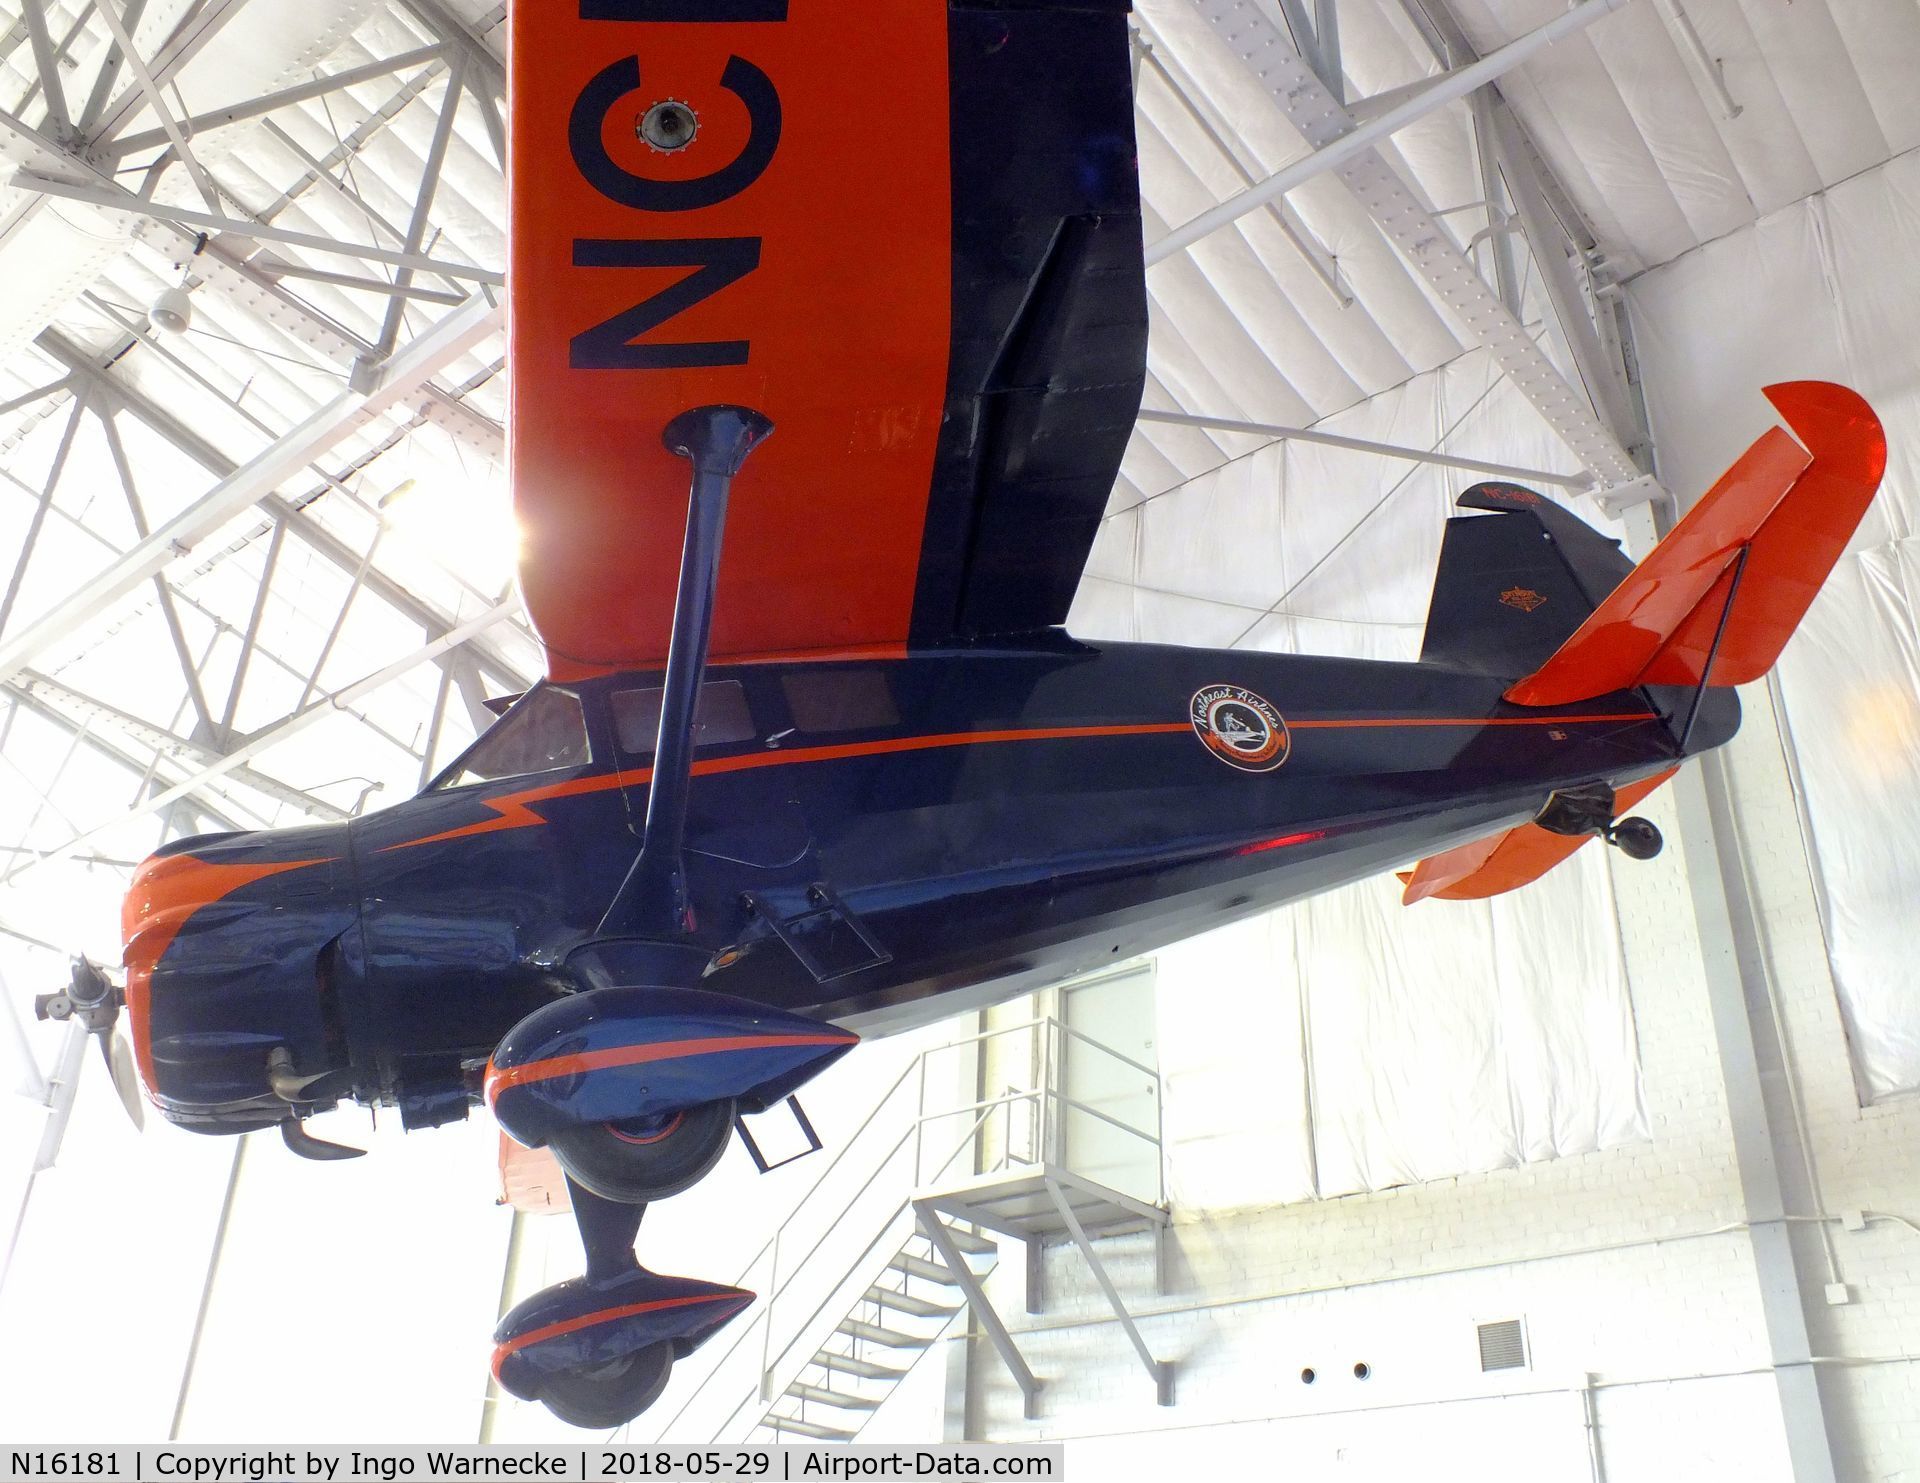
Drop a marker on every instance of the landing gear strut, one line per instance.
(597, 1351)
(1588, 809)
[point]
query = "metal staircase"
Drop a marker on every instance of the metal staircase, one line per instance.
(937, 1192)
(898, 1318)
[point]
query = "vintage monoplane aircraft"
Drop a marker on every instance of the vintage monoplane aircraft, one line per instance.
(855, 775)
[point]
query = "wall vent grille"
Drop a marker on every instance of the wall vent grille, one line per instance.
(1503, 1345)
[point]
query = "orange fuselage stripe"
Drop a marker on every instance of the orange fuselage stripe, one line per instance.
(1414, 721)
(504, 1078)
(606, 1315)
(514, 810)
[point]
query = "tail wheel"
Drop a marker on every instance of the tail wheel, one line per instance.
(602, 1396)
(1637, 838)
(642, 1160)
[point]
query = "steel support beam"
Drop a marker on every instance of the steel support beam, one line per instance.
(210, 805)
(250, 640)
(39, 519)
(270, 736)
(108, 75)
(49, 698)
(458, 333)
(205, 221)
(1364, 445)
(157, 100)
(346, 149)
(277, 269)
(34, 13)
(32, 151)
(1499, 238)
(1311, 251)
(1326, 46)
(275, 507)
(202, 24)
(1160, 1371)
(1604, 382)
(1254, 36)
(219, 118)
(486, 72)
(422, 207)
(245, 285)
(1439, 28)
(123, 470)
(1595, 335)
(1345, 146)
(979, 1305)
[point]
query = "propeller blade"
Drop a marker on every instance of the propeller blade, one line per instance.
(119, 1058)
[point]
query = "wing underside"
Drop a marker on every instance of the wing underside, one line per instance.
(1508, 860)
(913, 241)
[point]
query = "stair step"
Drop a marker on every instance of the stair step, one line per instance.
(919, 1266)
(853, 1328)
(968, 1241)
(820, 1395)
(904, 1302)
(808, 1429)
(852, 1364)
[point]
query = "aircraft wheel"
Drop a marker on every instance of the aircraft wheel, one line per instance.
(602, 1396)
(1637, 838)
(645, 1159)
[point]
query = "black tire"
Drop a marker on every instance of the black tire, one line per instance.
(1637, 838)
(639, 1167)
(601, 1397)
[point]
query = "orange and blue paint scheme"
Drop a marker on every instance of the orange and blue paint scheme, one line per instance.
(907, 239)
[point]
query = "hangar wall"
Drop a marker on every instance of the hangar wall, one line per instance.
(1824, 288)
(1397, 1279)
(1825, 782)
(1631, 1265)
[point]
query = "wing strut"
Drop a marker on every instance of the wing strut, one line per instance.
(716, 441)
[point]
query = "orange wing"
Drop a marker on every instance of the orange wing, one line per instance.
(1503, 862)
(869, 204)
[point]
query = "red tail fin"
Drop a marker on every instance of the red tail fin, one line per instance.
(1792, 509)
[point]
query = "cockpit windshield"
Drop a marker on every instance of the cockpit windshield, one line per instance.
(544, 732)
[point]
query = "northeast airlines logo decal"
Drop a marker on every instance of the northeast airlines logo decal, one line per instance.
(1239, 727)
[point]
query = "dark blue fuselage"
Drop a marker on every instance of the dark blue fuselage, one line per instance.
(975, 823)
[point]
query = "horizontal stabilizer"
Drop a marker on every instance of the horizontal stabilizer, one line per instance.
(1790, 508)
(1513, 858)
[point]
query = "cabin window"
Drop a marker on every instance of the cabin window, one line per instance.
(722, 717)
(546, 731)
(826, 700)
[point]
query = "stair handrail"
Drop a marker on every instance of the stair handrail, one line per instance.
(763, 1322)
(773, 1362)
(769, 1251)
